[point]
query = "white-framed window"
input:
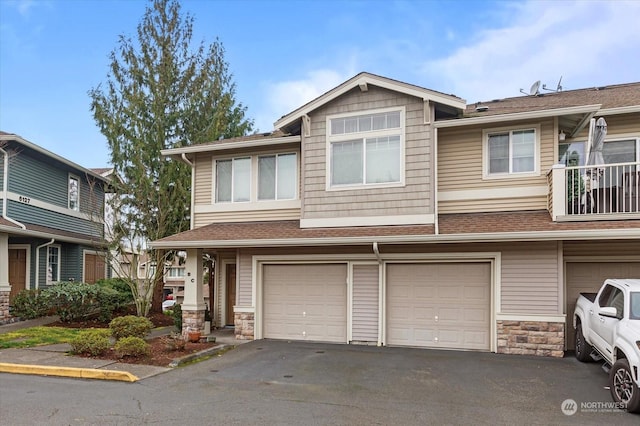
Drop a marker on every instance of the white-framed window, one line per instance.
(53, 264)
(614, 151)
(511, 152)
(175, 272)
(74, 193)
(277, 177)
(365, 149)
(233, 180)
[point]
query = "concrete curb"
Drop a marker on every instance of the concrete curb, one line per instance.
(203, 353)
(82, 373)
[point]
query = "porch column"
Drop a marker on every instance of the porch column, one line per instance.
(558, 186)
(5, 286)
(193, 306)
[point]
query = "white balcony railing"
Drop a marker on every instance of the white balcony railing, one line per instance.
(612, 189)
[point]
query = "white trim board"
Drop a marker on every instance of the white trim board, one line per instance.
(494, 193)
(426, 219)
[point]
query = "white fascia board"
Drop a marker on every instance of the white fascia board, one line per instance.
(620, 110)
(49, 236)
(197, 148)
(596, 234)
(527, 115)
(366, 79)
(50, 154)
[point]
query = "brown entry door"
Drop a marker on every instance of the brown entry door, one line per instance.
(94, 268)
(17, 271)
(231, 293)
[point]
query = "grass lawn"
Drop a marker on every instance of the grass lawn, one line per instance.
(37, 336)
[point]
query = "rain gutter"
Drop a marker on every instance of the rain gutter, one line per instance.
(192, 210)
(5, 189)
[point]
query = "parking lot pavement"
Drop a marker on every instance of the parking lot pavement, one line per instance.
(277, 382)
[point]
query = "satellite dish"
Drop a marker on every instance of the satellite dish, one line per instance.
(535, 88)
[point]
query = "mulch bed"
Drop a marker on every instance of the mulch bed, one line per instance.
(160, 354)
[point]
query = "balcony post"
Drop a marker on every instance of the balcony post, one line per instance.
(559, 187)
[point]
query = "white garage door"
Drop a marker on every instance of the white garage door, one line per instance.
(587, 277)
(439, 305)
(305, 302)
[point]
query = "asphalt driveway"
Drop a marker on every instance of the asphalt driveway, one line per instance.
(278, 382)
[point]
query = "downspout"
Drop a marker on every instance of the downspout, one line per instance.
(381, 292)
(53, 240)
(5, 189)
(193, 182)
(435, 182)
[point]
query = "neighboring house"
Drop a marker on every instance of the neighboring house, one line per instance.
(51, 220)
(385, 213)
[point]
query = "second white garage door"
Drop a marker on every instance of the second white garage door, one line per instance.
(305, 302)
(439, 305)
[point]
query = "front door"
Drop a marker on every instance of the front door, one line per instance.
(17, 271)
(94, 268)
(231, 293)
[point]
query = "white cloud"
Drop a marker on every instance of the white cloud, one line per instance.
(283, 97)
(588, 43)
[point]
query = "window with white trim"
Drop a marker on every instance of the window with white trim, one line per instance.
(277, 177)
(366, 149)
(74, 193)
(233, 180)
(53, 264)
(175, 272)
(511, 152)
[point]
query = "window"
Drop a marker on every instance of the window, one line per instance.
(176, 272)
(74, 193)
(366, 149)
(53, 264)
(613, 152)
(233, 180)
(277, 177)
(511, 152)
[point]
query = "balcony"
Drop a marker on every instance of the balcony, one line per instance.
(607, 192)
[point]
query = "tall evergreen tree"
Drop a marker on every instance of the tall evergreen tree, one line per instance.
(161, 92)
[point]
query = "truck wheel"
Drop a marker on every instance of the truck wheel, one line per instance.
(623, 389)
(583, 349)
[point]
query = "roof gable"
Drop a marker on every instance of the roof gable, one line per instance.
(362, 81)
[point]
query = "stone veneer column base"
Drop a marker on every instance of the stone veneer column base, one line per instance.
(5, 316)
(538, 338)
(243, 322)
(192, 320)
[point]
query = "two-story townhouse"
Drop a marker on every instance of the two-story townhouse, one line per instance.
(385, 213)
(51, 220)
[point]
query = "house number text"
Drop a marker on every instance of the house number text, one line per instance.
(25, 200)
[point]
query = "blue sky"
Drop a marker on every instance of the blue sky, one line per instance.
(285, 53)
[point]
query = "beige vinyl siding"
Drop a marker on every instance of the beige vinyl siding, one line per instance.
(622, 248)
(624, 124)
(412, 199)
(530, 279)
(460, 168)
(203, 169)
(365, 303)
(203, 219)
(244, 279)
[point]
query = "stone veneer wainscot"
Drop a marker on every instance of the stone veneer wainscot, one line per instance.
(531, 338)
(243, 322)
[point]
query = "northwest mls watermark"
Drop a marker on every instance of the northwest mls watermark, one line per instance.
(570, 407)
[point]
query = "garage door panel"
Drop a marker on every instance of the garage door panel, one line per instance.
(458, 294)
(305, 302)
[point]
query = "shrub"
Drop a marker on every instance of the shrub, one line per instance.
(177, 317)
(130, 326)
(121, 286)
(73, 301)
(91, 342)
(29, 304)
(131, 346)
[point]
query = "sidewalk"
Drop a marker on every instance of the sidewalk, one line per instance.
(53, 360)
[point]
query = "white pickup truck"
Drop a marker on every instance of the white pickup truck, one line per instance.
(607, 327)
